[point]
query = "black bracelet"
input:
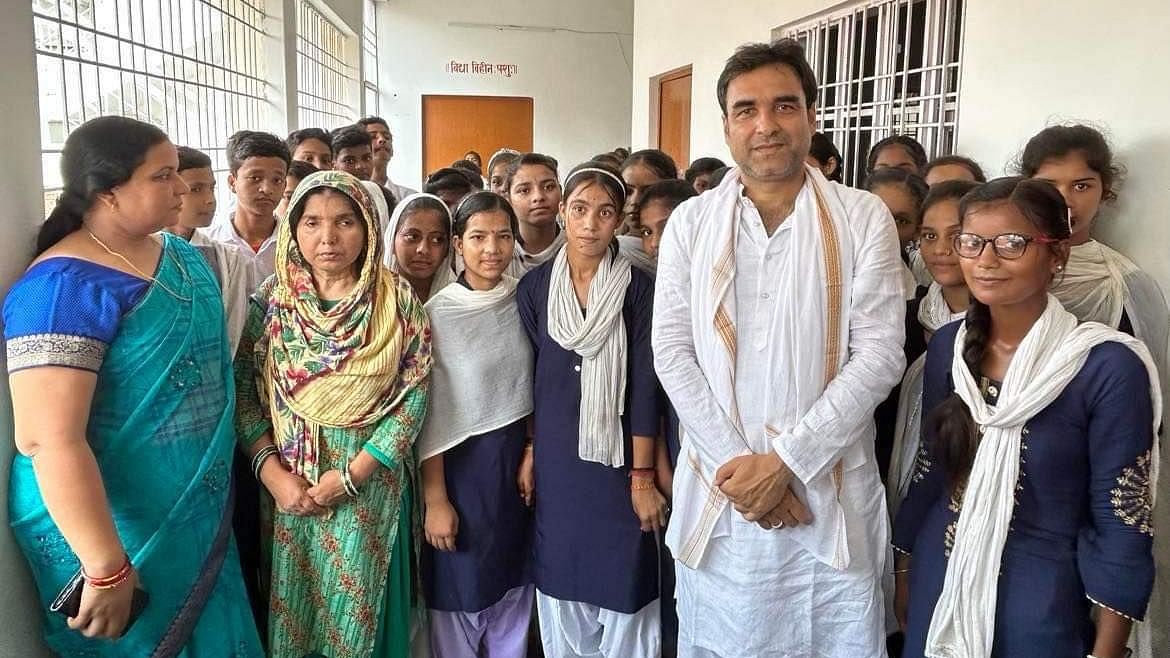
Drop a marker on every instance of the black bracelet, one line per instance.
(258, 460)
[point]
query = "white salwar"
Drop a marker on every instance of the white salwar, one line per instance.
(524, 262)
(740, 341)
(571, 629)
(237, 280)
(1097, 285)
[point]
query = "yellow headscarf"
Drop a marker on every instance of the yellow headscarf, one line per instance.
(343, 367)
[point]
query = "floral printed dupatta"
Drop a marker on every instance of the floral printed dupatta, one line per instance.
(341, 367)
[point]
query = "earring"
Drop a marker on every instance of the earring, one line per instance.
(1060, 268)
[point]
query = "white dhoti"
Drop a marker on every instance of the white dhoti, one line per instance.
(759, 594)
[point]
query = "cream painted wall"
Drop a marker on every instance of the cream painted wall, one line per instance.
(579, 80)
(1097, 64)
(668, 35)
(20, 187)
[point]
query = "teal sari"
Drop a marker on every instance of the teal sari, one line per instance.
(161, 428)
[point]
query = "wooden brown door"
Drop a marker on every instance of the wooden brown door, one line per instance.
(674, 116)
(454, 125)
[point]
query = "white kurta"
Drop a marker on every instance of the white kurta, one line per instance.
(236, 271)
(263, 260)
(764, 593)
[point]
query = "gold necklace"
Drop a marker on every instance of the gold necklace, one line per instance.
(134, 267)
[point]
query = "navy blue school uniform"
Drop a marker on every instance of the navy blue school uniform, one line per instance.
(1081, 527)
(493, 546)
(588, 545)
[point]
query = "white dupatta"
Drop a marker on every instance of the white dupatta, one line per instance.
(631, 248)
(1049, 357)
(933, 314)
(599, 337)
(481, 379)
(820, 285)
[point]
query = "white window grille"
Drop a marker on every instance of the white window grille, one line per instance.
(192, 67)
(370, 100)
(324, 72)
(885, 67)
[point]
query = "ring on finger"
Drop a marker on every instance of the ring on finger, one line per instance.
(777, 525)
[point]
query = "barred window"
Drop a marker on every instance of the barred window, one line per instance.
(192, 67)
(370, 100)
(325, 73)
(885, 67)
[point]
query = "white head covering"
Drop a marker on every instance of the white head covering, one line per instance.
(444, 274)
(378, 196)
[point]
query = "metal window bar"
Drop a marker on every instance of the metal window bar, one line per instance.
(908, 88)
(324, 72)
(192, 67)
(370, 95)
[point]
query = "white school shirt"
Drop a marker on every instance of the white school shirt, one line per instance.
(264, 259)
(400, 192)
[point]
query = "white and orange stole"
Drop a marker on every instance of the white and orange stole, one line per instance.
(805, 349)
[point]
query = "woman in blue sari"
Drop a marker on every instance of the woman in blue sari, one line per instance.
(123, 401)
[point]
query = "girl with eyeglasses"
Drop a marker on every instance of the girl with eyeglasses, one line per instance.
(1027, 527)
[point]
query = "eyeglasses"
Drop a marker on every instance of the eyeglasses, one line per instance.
(1008, 246)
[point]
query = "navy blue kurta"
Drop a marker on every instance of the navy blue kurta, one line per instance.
(1081, 527)
(492, 547)
(588, 543)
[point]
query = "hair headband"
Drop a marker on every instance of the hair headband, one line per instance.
(597, 170)
(497, 154)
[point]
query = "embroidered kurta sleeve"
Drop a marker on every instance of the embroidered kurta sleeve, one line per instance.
(928, 483)
(59, 318)
(251, 414)
(396, 433)
(1114, 552)
(709, 430)
(645, 412)
(843, 413)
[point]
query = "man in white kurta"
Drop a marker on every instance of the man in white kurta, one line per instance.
(778, 328)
